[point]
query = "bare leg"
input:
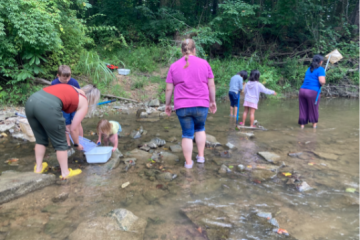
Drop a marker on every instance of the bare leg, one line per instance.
(314, 125)
(246, 109)
(200, 138)
(63, 161)
(302, 126)
(67, 134)
(231, 111)
(39, 156)
(112, 139)
(235, 112)
(187, 147)
(81, 131)
(252, 117)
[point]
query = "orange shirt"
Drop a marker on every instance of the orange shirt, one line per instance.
(67, 94)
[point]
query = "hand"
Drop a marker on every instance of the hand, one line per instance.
(80, 147)
(168, 110)
(98, 142)
(114, 149)
(213, 107)
(275, 93)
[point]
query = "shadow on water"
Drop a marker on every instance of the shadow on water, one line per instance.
(202, 203)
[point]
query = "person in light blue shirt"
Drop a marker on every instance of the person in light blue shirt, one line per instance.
(236, 85)
(314, 79)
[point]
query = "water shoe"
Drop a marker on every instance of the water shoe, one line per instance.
(189, 165)
(200, 159)
(45, 167)
(72, 173)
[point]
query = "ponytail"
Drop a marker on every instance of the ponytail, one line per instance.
(316, 62)
(187, 47)
(93, 95)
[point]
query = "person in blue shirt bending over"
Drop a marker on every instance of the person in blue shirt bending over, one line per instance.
(236, 85)
(64, 77)
(314, 79)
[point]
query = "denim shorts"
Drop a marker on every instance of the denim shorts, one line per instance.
(68, 117)
(192, 120)
(233, 99)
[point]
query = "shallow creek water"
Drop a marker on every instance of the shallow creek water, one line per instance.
(326, 212)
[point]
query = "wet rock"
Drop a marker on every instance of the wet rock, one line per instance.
(215, 223)
(113, 162)
(139, 112)
(15, 184)
(60, 198)
(297, 154)
(328, 156)
(274, 222)
(121, 107)
(139, 155)
(22, 136)
(223, 154)
(135, 134)
(119, 224)
(163, 114)
(143, 115)
(262, 175)
(58, 228)
(266, 215)
(230, 145)
(6, 127)
(268, 167)
(124, 185)
(303, 187)
(145, 148)
(165, 176)
(149, 173)
(270, 157)
(169, 157)
(172, 139)
(156, 156)
(153, 195)
(240, 167)
(158, 141)
(70, 152)
(211, 141)
(224, 169)
(161, 108)
(129, 162)
(154, 103)
(248, 134)
(176, 148)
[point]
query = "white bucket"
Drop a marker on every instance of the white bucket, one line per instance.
(99, 155)
(124, 71)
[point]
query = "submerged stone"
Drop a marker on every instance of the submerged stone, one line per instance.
(328, 156)
(15, 184)
(176, 148)
(135, 134)
(270, 157)
(224, 169)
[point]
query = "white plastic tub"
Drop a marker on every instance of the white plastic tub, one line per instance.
(98, 155)
(87, 144)
(124, 71)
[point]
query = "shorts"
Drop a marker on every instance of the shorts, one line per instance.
(192, 120)
(68, 117)
(250, 104)
(234, 97)
(46, 120)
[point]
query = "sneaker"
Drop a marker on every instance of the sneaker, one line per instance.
(189, 165)
(200, 159)
(72, 173)
(45, 167)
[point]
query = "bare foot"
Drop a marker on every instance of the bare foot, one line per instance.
(302, 126)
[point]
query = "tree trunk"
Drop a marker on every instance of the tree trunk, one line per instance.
(354, 19)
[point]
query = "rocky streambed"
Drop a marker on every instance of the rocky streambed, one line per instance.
(280, 183)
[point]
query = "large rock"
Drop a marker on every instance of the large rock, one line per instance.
(114, 161)
(215, 222)
(139, 155)
(270, 157)
(328, 156)
(262, 175)
(211, 141)
(154, 103)
(176, 148)
(6, 127)
(120, 224)
(15, 184)
(167, 157)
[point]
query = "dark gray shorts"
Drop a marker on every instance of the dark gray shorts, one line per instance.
(46, 120)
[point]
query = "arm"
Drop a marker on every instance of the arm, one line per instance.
(115, 142)
(212, 94)
(79, 116)
(263, 89)
(99, 138)
(322, 80)
(168, 94)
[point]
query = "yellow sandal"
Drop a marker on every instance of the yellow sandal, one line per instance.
(72, 173)
(45, 167)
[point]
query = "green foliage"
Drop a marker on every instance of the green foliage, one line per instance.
(139, 83)
(94, 68)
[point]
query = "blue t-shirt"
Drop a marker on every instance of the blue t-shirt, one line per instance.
(311, 80)
(236, 84)
(71, 82)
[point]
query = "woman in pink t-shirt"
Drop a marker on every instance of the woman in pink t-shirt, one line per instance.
(194, 95)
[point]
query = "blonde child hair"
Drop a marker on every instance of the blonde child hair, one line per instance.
(104, 126)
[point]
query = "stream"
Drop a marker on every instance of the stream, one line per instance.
(328, 163)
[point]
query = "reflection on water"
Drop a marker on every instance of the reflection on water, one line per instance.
(326, 212)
